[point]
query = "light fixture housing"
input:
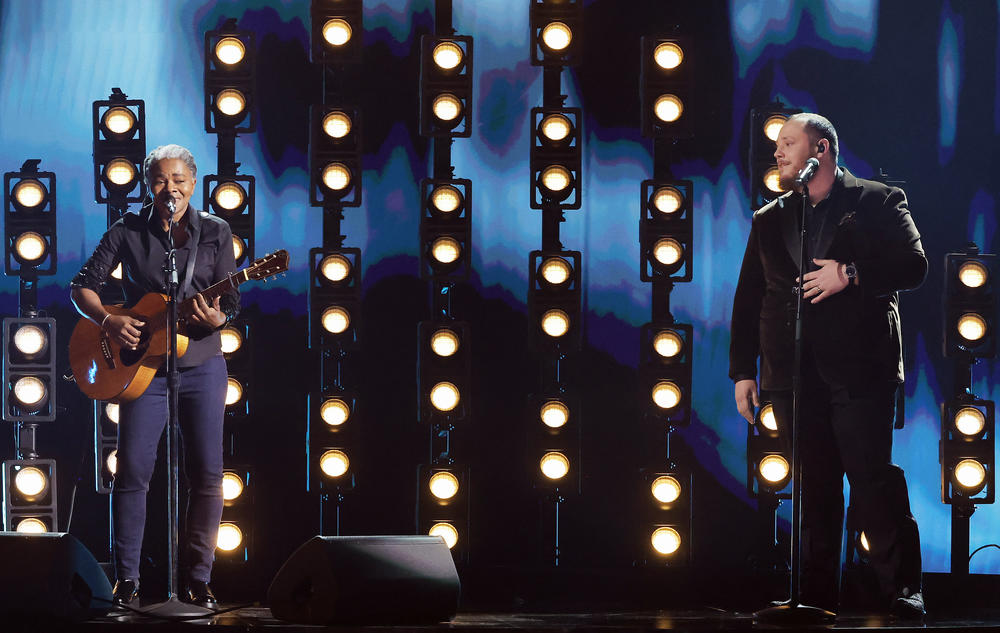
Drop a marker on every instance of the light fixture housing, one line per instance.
(237, 79)
(17, 506)
(434, 368)
(563, 155)
(656, 225)
(446, 213)
(655, 368)
(23, 368)
(342, 147)
(36, 219)
(110, 146)
(671, 84)
(324, 293)
(970, 289)
(342, 52)
(760, 157)
(565, 18)
(545, 297)
(957, 446)
(453, 85)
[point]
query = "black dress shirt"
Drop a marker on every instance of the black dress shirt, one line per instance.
(140, 244)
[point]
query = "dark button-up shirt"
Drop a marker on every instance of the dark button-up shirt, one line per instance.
(818, 223)
(141, 245)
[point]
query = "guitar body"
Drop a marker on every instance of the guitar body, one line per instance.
(104, 370)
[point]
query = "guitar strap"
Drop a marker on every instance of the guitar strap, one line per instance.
(189, 270)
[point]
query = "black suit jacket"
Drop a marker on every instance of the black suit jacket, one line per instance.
(853, 336)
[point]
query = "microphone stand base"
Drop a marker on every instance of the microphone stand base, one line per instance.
(174, 608)
(792, 615)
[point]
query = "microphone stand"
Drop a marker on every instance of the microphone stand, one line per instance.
(793, 612)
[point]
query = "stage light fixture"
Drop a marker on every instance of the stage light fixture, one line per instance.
(555, 323)
(554, 298)
(767, 419)
(31, 525)
(119, 138)
(447, 532)
(665, 540)
(30, 482)
(334, 463)
(239, 248)
(335, 411)
(863, 541)
(967, 451)
(232, 340)
(774, 471)
(337, 28)
(29, 224)
(335, 156)
(666, 489)
(970, 422)
(443, 495)
(772, 181)
(443, 485)
(667, 200)
(443, 371)
(970, 476)
(229, 79)
(555, 128)
(446, 199)
(111, 461)
(118, 273)
(973, 274)
(336, 320)
(970, 305)
(448, 55)
(234, 391)
(668, 55)
(666, 394)
(772, 126)
(667, 252)
(334, 296)
(336, 177)
(119, 123)
(30, 340)
(554, 465)
(665, 515)
(445, 86)
(445, 250)
(557, 29)
(444, 396)
(444, 230)
(668, 343)
(666, 230)
(230, 50)
(232, 486)
(554, 414)
(337, 32)
(29, 491)
(668, 108)
(106, 417)
(665, 372)
(230, 537)
(765, 124)
(29, 369)
(229, 197)
(667, 82)
(556, 158)
(29, 194)
(332, 433)
(444, 342)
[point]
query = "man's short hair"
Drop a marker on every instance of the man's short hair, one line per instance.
(168, 151)
(818, 127)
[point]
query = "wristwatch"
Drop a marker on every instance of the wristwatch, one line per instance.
(851, 271)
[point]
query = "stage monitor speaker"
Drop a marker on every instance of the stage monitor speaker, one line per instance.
(50, 577)
(367, 580)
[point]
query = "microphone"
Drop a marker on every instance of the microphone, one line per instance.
(173, 208)
(807, 172)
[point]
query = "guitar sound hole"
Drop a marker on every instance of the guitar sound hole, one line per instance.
(133, 356)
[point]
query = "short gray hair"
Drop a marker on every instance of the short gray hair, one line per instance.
(818, 127)
(168, 151)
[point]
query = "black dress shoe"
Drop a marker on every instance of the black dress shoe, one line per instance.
(908, 606)
(125, 592)
(200, 594)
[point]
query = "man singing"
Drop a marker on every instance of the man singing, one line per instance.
(862, 248)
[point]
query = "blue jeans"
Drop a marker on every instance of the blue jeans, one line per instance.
(202, 403)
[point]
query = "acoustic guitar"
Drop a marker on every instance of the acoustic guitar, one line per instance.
(104, 370)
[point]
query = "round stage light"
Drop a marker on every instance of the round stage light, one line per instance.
(234, 391)
(446, 250)
(774, 469)
(970, 421)
(230, 102)
(444, 342)
(554, 414)
(111, 462)
(334, 463)
(556, 270)
(446, 531)
(668, 343)
(31, 525)
(335, 267)
(666, 489)
(444, 396)
(337, 124)
(447, 55)
(972, 327)
(30, 392)
(772, 126)
(30, 482)
(232, 486)
(767, 419)
(973, 274)
(229, 196)
(238, 248)
(30, 247)
(864, 542)
(337, 32)
(667, 251)
(554, 465)
(336, 176)
(668, 108)
(556, 36)
(29, 193)
(30, 340)
(447, 107)
(443, 485)
(556, 127)
(666, 394)
(556, 178)
(334, 411)
(119, 121)
(772, 180)
(232, 340)
(121, 172)
(112, 411)
(970, 475)
(666, 540)
(336, 320)
(118, 272)
(555, 323)
(230, 537)
(667, 200)
(446, 198)
(230, 50)
(668, 55)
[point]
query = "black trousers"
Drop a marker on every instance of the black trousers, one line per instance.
(849, 431)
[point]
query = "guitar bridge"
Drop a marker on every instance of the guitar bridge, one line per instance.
(109, 357)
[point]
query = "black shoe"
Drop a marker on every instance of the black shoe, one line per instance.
(125, 592)
(200, 594)
(908, 606)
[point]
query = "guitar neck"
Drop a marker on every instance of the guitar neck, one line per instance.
(231, 282)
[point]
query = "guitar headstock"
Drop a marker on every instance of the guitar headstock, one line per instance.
(268, 265)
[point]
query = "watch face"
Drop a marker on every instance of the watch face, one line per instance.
(851, 271)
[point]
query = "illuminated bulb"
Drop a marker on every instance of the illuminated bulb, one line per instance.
(447, 107)
(667, 251)
(230, 50)
(774, 468)
(337, 32)
(969, 421)
(970, 474)
(666, 489)
(336, 320)
(443, 485)
(972, 274)
(238, 248)
(556, 270)
(668, 343)
(446, 198)
(447, 55)
(446, 250)
(444, 342)
(230, 102)
(772, 180)
(446, 531)
(557, 36)
(234, 391)
(972, 327)
(229, 196)
(335, 267)
(864, 543)
(29, 390)
(113, 412)
(334, 463)
(232, 486)
(666, 540)
(232, 340)
(337, 124)
(556, 127)
(668, 55)
(30, 246)
(556, 178)
(29, 339)
(334, 411)
(336, 176)
(119, 120)
(667, 200)
(120, 172)
(772, 126)
(666, 394)
(112, 462)
(31, 525)
(668, 108)
(554, 465)
(444, 396)
(118, 272)
(30, 482)
(555, 323)
(554, 414)
(29, 193)
(767, 419)
(230, 537)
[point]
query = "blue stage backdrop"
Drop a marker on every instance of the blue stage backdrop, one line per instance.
(911, 90)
